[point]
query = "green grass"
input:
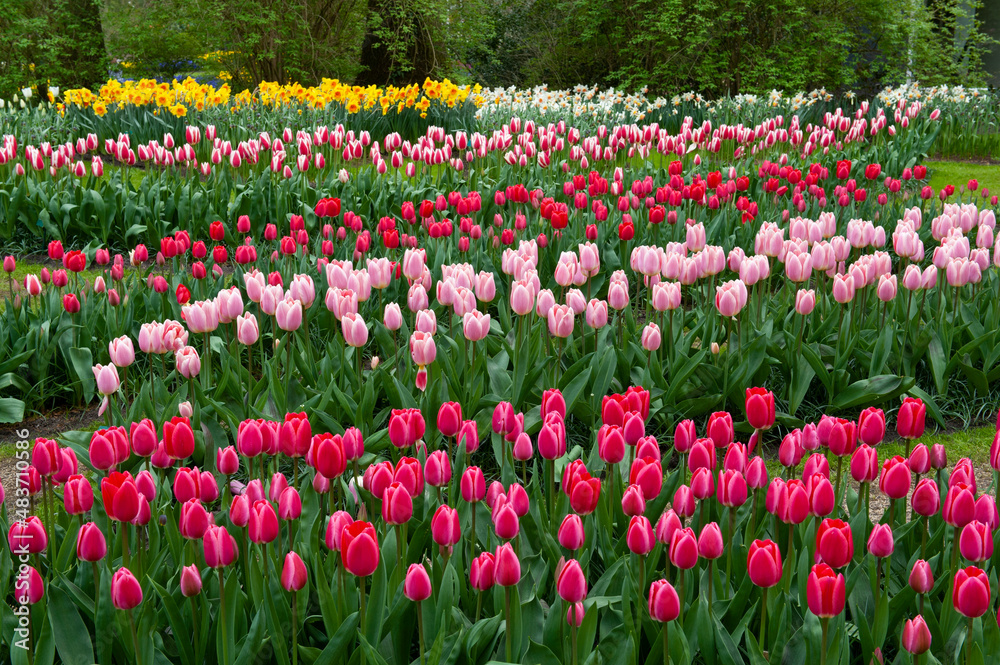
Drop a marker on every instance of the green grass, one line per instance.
(959, 173)
(7, 450)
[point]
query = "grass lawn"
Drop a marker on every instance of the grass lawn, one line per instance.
(959, 174)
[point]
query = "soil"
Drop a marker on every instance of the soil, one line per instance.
(48, 426)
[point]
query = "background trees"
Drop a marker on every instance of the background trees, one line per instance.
(716, 47)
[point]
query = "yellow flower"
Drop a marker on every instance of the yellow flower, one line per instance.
(178, 110)
(100, 109)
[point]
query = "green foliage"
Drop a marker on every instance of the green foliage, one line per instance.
(720, 47)
(159, 38)
(50, 42)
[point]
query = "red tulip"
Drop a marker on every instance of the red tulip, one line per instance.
(482, 571)
(445, 529)
(263, 524)
(684, 549)
(294, 574)
(759, 407)
(359, 551)
(834, 543)
(720, 429)
(825, 591)
(417, 585)
(664, 603)
(959, 505)
(910, 419)
(397, 504)
(880, 541)
(120, 495)
(916, 636)
(764, 563)
(507, 566)
(335, 529)
(648, 475)
(449, 418)
(437, 469)
(895, 479)
(194, 519)
(732, 489)
(971, 592)
(219, 546)
(976, 542)
(178, 438)
(90, 543)
(571, 534)
(406, 426)
(126, 593)
(78, 495)
(473, 485)
(409, 472)
(571, 583)
(710, 543)
(328, 457)
(295, 435)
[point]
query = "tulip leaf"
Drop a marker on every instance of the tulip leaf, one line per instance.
(729, 653)
(83, 363)
(11, 410)
(376, 605)
(334, 650)
(253, 640)
(540, 654)
(869, 392)
(72, 639)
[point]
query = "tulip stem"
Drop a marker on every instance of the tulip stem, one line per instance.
(680, 595)
(295, 632)
(666, 644)
(822, 654)
(288, 369)
(552, 492)
(791, 557)
(729, 553)
(97, 581)
(840, 478)
(420, 630)
(710, 576)
(195, 627)
(361, 609)
(479, 606)
(968, 644)
(506, 618)
(138, 654)
(923, 538)
(763, 618)
(222, 618)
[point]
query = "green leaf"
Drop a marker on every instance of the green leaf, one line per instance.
(71, 636)
(869, 392)
(83, 365)
(333, 652)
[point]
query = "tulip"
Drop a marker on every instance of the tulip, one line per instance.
(482, 572)
(880, 542)
(910, 419)
(664, 603)
(916, 636)
(178, 438)
(971, 592)
(571, 534)
(834, 543)
(29, 587)
(397, 504)
(871, 426)
(417, 585)
(976, 542)
(90, 543)
(760, 408)
(445, 529)
(194, 519)
(764, 563)
(571, 583)
(293, 574)
(126, 593)
(359, 550)
(27, 536)
(190, 581)
(219, 546)
(825, 593)
(262, 526)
